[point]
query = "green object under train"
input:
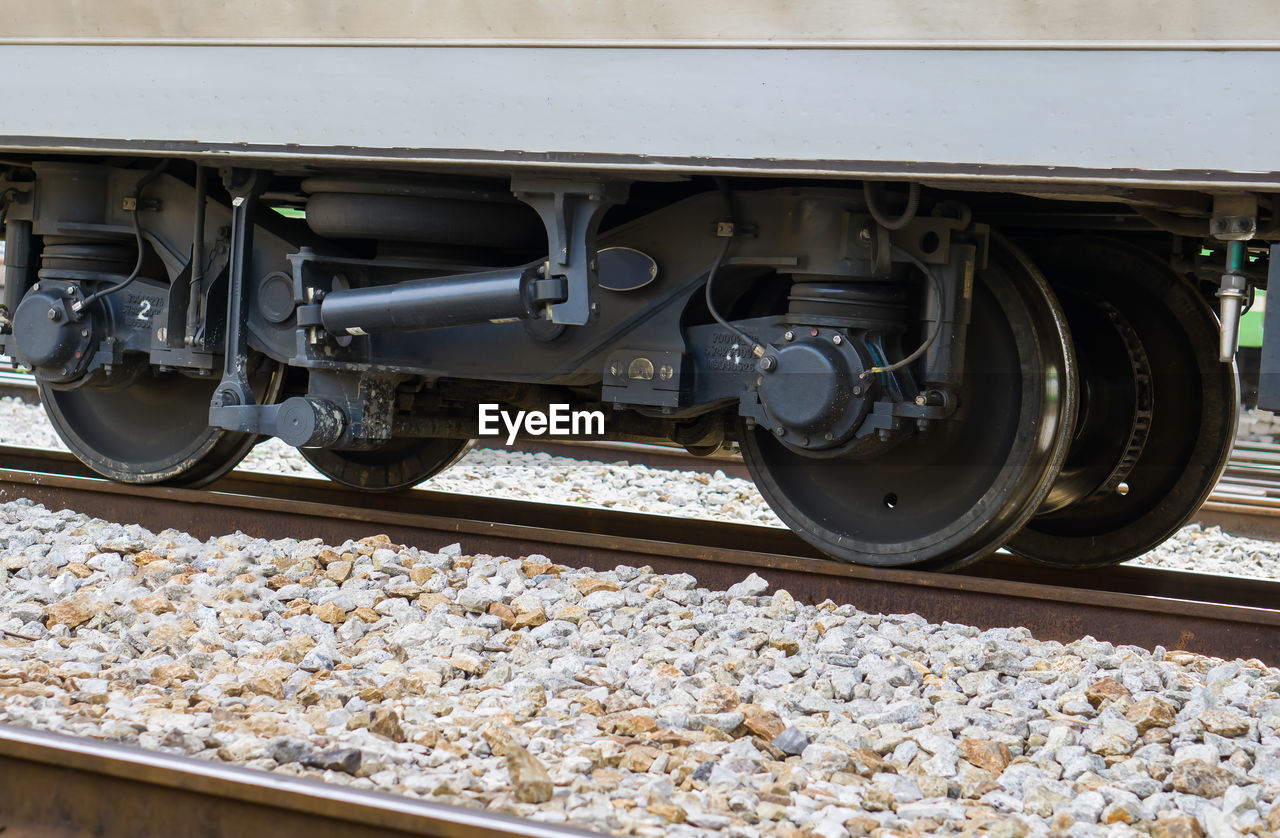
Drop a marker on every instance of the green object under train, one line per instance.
(1251, 321)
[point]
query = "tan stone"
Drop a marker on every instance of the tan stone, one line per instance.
(1176, 826)
(504, 613)
(763, 723)
(421, 573)
(529, 779)
(789, 645)
(1198, 777)
(146, 557)
(470, 664)
(667, 811)
(638, 758)
(531, 568)
(529, 619)
(330, 613)
(1150, 712)
(153, 604)
(1224, 722)
(630, 724)
(867, 762)
(263, 685)
(1273, 819)
(571, 614)
(718, 698)
(1106, 691)
(366, 614)
(70, 611)
(861, 825)
(296, 608)
(387, 723)
(591, 584)
(328, 556)
(80, 570)
(338, 571)
(172, 674)
(278, 581)
(428, 601)
(993, 756)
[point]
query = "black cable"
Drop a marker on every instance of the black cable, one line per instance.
(757, 348)
(933, 333)
(137, 232)
(871, 192)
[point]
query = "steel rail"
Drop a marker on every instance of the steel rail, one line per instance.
(57, 785)
(1214, 615)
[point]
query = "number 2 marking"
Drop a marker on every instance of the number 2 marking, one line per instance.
(143, 313)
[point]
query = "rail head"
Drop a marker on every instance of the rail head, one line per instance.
(53, 784)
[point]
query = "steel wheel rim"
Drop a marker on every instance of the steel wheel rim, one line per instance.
(156, 430)
(989, 492)
(1187, 449)
(399, 464)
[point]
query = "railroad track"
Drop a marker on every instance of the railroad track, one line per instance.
(1246, 501)
(56, 785)
(1214, 615)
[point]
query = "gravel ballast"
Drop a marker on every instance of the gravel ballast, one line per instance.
(541, 477)
(624, 701)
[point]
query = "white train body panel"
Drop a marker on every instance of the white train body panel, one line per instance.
(993, 90)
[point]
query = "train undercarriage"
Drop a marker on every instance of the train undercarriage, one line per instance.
(915, 374)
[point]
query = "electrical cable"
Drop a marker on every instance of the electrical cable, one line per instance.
(137, 233)
(933, 332)
(757, 348)
(871, 191)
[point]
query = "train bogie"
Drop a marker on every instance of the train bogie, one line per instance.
(934, 326)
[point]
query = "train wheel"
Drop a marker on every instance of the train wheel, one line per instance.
(155, 429)
(956, 493)
(398, 464)
(1157, 409)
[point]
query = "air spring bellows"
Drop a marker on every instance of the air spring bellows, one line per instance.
(438, 302)
(861, 305)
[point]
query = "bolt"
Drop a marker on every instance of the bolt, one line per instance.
(65, 371)
(788, 335)
(53, 314)
(69, 291)
(864, 234)
(768, 363)
(84, 333)
(615, 369)
(35, 287)
(828, 436)
(837, 339)
(922, 399)
(162, 334)
(857, 389)
(779, 432)
(665, 372)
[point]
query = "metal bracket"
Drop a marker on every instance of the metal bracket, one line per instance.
(571, 211)
(300, 421)
(245, 186)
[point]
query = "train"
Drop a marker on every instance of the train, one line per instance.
(952, 277)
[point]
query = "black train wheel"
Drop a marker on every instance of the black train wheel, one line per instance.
(155, 429)
(1157, 409)
(953, 495)
(398, 464)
